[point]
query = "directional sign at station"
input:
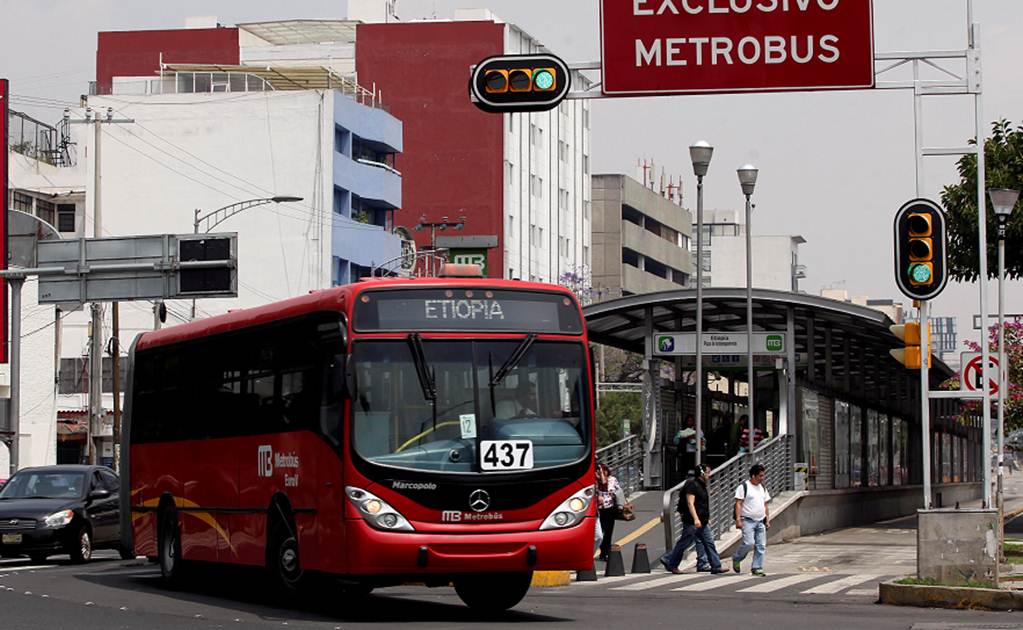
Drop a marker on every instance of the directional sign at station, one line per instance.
(718, 343)
(971, 375)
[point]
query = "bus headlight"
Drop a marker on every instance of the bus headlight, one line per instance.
(571, 511)
(376, 511)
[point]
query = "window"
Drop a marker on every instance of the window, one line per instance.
(510, 173)
(263, 379)
(341, 141)
(586, 254)
(534, 186)
(563, 150)
(511, 226)
(21, 201)
(586, 117)
(511, 123)
(706, 261)
(586, 209)
(45, 210)
(586, 165)
(562, 199)
(66, 217)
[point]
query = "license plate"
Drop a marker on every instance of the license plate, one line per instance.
(506, 455)
(12, 539)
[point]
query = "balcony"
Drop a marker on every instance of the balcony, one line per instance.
(372, 181)
(653, 246)
(361, 243)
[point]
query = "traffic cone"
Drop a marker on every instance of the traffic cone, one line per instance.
(640, 559)
(586, 575)
(615, 564)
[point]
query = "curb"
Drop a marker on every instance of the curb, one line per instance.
(949, 597)
(548, 579)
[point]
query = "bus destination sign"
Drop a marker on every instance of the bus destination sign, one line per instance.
(467, 309)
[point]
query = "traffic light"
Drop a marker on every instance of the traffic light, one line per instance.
(519, 83)
(921, 250)
(911, 355)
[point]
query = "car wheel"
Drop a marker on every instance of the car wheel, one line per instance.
(81, 545)
(495, 592)
(169, 548)
(38, 557)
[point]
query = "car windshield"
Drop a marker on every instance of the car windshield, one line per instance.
(44, 485)
(470, 406)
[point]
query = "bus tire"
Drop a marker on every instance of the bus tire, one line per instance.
(283, 560)
(169, 547)
(493, 592)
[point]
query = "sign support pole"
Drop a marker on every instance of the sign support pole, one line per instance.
(983, 275)
(925, 401)
(16, 282)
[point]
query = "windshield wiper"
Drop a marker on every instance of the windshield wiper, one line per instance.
(426, 379)
(513, 360)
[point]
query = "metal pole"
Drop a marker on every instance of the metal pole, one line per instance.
(1003, 384)
(985, 348)
(195, 230)
(750, 372)
(699, 320)
(925, 403)
(115, 347)
(96, 338)
(14, 447)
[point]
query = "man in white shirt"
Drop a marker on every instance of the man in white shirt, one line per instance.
(752, 517)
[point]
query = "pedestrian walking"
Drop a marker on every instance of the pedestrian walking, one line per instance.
(694, 505)
(753, 518)
(758, 435)
(607, 508)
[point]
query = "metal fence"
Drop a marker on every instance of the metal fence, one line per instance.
(776, 454)
(625, 459)
(32, 138)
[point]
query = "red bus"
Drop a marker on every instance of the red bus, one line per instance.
(435, 430)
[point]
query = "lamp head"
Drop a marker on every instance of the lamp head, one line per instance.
(700, 153)
(1004, 200)
(285, 199)
(748, 178)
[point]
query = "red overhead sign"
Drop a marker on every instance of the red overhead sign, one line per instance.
(5, 93)
(651, 47)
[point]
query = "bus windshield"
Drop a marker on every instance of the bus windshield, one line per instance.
(472, 415)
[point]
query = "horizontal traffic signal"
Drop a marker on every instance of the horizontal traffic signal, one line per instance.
(911, 355)
(519, 83)
(921, 249)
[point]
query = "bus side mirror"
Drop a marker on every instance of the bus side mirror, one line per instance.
(342, 379)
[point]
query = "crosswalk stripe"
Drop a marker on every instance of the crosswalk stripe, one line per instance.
(27, 568)
(661, 581)
(836, 586)
(777, 585)
(713, 582)
(604, 581)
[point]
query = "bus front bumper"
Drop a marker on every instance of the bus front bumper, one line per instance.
(371, 551)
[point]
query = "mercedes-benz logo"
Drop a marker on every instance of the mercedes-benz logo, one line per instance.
(479, 500)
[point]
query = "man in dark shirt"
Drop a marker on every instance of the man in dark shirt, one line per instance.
(694, 505)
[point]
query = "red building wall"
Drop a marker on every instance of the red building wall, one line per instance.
(137, 53)
(453, 158)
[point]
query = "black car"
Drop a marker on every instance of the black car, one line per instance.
(52, 510)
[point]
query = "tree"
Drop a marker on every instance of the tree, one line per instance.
(1014, 357)
(1003, 152)
(615, 409)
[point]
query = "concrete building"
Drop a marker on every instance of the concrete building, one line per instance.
(775, 258)
(522, 181)
(640, 239)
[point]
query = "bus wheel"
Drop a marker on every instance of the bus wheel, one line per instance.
(494, 592)
(169, 547)
(284, 563)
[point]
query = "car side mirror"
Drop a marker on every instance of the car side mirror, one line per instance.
(99, 494)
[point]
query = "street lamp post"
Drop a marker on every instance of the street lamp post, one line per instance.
(218, 216)
(1004, 200)
(748, 182)
(700, 153)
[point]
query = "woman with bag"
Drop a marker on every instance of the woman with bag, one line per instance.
(607, 508)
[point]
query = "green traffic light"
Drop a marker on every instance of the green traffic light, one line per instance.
(543, 79)
(921, 274)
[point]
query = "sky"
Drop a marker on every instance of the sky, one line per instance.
(834, 166)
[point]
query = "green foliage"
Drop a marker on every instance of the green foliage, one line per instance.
(615, 407)
(912, 581)
(1014, 358)
(1003, 152)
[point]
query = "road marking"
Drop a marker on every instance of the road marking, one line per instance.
(871, 592)
(32, 567)
(714, 582)
(611, 580)
(661, 581)
(836, 586)
(652, 523)
(777, 585)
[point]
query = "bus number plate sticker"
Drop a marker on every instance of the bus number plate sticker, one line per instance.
(468, 425)
(506, 455)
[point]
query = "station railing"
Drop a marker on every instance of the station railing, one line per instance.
(625, 459)
(776, 454)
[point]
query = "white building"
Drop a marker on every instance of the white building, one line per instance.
(775, 258)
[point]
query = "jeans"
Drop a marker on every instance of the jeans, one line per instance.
(598, 534)
(701, 537)
(754, 536)
(607, 526)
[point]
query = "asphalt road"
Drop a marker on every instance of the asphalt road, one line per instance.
(109, 594)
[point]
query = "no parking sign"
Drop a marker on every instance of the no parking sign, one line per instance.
(971, 374)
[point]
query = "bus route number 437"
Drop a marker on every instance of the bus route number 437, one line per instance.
(507, 454)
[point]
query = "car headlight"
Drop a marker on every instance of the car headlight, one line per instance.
(59, 519)
(376, 511)
(571, 511)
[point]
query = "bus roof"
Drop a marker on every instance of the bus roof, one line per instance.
(321, 300)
